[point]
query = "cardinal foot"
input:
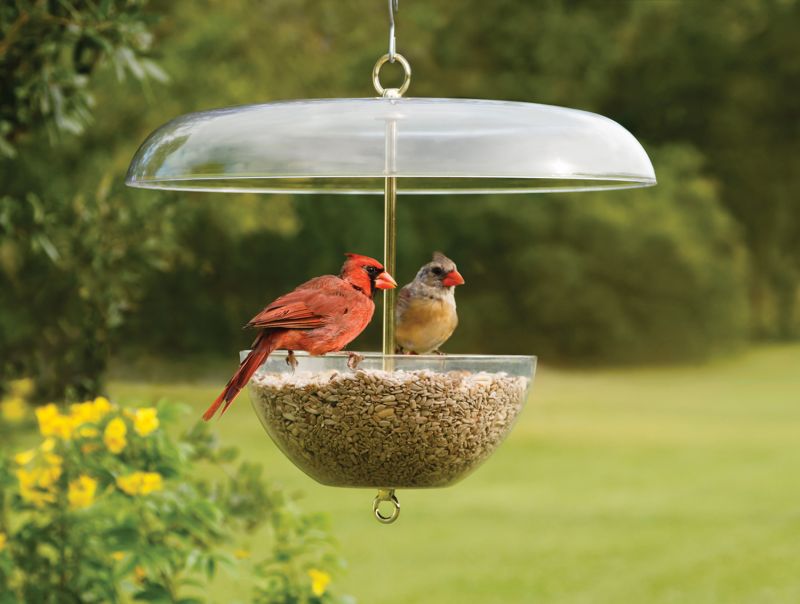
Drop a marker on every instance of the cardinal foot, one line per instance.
(439, 352)
(291, 360)
(353, 360)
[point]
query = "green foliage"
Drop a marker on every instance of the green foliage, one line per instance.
(709, 75)
(301, 548)
(627, 276)
(72, 252)
(644, 275)
(15, 411)
(48, 53)
(71, 270)
(723, 89)
(110, 507)
(711, 98)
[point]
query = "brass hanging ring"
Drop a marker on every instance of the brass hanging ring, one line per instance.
(376, 76)
(386, 495)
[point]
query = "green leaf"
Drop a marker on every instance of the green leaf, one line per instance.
(228, 454)
(43, 241)
(152, 592)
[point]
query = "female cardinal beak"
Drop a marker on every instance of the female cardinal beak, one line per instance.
(385, 281)
(453, 278)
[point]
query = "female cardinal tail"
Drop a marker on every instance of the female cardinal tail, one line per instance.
(262, 347)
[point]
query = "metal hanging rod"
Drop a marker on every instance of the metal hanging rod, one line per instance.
(393, 8)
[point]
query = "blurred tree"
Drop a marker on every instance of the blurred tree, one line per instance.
(703, 84)
(636, 276)
(50, 50)
(70, 253)
(711, 75)
(717, 75)
(572, 306)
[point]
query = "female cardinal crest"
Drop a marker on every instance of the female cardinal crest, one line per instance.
(322, 315)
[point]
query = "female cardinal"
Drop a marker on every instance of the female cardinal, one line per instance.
(426, 308)
(322, 315)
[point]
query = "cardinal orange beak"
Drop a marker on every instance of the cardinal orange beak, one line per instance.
(453, 278)
(385, 281)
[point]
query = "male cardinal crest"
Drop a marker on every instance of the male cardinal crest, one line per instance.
(322, 315)
(426, 308)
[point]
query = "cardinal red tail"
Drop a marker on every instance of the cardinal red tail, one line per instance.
(262, 348)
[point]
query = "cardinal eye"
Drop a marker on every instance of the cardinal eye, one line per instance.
(437, 271)
(371, 270)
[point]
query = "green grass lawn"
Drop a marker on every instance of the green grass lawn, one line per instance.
(616, 486)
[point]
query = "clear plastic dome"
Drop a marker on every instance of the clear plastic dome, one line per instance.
(431, 146)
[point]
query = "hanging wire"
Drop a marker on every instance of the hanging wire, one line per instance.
(393, 8)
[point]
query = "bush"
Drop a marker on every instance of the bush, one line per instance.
(627, 276)
(71, 251)
(110, 507)
(76, 269)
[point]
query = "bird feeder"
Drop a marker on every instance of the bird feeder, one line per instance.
(398, 421)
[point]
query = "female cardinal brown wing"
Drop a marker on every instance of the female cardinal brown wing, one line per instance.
(306, 307)
(403, 300)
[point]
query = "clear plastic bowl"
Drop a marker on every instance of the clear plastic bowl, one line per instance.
(397, 421)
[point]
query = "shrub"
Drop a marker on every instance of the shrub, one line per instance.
(109, 506)
(647, 275)
(14, 408)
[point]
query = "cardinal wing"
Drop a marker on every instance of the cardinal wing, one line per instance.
(306, 307)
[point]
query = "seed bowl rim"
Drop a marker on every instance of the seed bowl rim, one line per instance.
(407, 357)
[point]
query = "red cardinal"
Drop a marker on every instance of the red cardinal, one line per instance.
(322, 315)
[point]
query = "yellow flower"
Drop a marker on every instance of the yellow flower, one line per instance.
(53, 423)
(26, 478)
(81, 492)
(24, 458)
(13, 409)
(48, 445)
(87, 432)
(114, 435)
(42, 478)
(63, 428)
(241, 554)
(53, 459)
(117, 556)
(139, 574)
(145, 420)
(34, 484)
(80, 413)
(46, 415)
(3, 540)
(151, 481)
(102, 406)
(47, 477)
(21, 388)
(83, 413)
(141, 483)
(319, 581)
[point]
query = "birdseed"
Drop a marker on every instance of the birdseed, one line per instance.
(388, 429)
